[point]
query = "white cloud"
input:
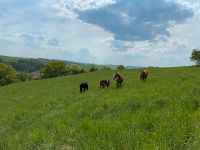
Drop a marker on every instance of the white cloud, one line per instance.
(191, 4)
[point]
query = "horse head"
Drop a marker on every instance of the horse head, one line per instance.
(116, 75)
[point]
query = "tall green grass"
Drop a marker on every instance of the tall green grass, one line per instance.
(162, 113)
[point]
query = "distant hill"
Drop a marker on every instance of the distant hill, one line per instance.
(35, 64)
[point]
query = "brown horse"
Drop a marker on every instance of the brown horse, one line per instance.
(104, 83)
(143, 75)
(119, 79)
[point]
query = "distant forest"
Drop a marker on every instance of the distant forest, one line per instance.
(30, 64)
(27, 64)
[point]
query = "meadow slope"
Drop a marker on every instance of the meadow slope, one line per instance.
(162, 113)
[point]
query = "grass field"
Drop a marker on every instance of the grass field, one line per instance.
(162, 113)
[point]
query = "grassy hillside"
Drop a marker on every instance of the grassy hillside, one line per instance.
(162, 113)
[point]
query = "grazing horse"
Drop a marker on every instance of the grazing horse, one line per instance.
(104, 83)
(143, 75)
(119, 79)
(83, 87)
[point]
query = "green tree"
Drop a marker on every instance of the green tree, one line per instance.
(75, 69)
(121, 67)
(54, 69)
(82, 71)
(93, 68)
(7, 74)
(196, 56)
(23, 76)
(30, 76)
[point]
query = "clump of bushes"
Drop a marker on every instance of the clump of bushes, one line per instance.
(82, 71)
(7, 74)
(57, 69)
(93, 68)
(23, 76)
(54, 69)
(75, 69)
(121, 67)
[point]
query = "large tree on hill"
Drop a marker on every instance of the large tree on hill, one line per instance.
(7, 74)
(196, 56)
(54, 69)
(75, 69)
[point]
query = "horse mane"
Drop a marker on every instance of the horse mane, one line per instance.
(119, 76)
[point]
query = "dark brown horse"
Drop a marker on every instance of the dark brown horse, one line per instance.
(104, 83)
(119, 79)
(143, 75)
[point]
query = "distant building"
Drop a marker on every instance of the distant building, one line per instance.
(35, 74)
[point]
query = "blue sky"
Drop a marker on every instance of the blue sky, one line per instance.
(128, 32)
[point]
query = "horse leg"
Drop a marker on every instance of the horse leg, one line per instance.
(80, 89)
(118, 85)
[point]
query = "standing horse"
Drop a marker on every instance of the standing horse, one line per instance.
(143, 75)
(119, 79)
(83, 87)
(104, 83)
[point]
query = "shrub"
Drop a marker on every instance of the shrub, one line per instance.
(82, 71)
(30, 76)
(75, 69)
(121, 67)
(93, 68)
(7, 74)
(54, 69)
(23, 76)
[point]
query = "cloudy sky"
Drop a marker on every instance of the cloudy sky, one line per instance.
(128, 32)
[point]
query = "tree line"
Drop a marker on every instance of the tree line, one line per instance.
(8, 73)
